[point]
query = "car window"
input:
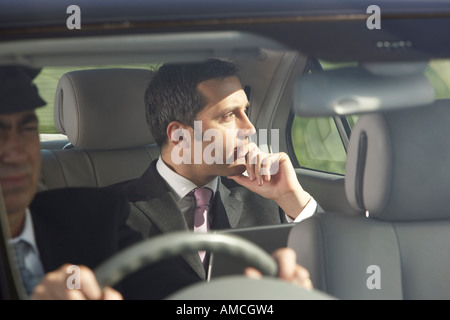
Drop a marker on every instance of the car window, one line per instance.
(46, 82)
(438, 72)
(317, 144)
(316, 141)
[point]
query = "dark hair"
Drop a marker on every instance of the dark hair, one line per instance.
(172, 94)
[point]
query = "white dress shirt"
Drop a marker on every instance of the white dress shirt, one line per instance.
(32, 259)
(180, 187)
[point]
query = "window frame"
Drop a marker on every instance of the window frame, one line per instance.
(342, 124)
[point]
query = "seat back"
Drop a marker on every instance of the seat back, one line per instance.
(102, 113)
(398, 176)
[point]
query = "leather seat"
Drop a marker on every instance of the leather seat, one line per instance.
(102, 113)
(398, 177)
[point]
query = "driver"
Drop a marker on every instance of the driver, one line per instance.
(54, 230)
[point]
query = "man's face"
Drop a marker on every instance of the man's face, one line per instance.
(225, 115)
(20, 159)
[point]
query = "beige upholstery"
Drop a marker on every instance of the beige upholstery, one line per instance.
(398, 170)
(102, 113)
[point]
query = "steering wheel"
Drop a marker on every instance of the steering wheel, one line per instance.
(146, 252)
(141, 254)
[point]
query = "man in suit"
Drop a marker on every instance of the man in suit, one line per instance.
(77, 226)
(56, 227)
(185, 103)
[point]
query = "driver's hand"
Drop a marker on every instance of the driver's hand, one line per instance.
(288, 269)
(54, 287)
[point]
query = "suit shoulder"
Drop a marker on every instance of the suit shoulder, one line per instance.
(77, 199)
(75, 193)
(140, 188)
(126, 188)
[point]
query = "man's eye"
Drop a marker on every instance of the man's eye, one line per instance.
(228, 115)
(30, 128)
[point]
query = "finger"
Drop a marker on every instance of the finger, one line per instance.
(286, 259)
(252, 273)
(290, 271)
(242, 180)
(54, 286)
(47, 290)
(249, 167)
(111, 294)
(89, 285)
(265, 168)
(258, 169)
(73, 294)
(270, 166)
(39, 293)
(302, 277)
(251, 160)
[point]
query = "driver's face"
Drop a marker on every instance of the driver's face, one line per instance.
(20, 159)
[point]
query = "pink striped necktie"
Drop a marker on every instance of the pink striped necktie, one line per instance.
(202, 203)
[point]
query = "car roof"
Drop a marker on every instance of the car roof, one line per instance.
(48, 12)
(330, 30)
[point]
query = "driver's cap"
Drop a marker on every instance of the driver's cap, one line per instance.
(17, 92)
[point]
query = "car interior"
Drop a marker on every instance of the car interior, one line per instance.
(93, 121)
(406, 223)
(108, 141)
(367, 132)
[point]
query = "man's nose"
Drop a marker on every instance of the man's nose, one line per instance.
(246, 128)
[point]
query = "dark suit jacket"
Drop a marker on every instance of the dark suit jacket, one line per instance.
(80, 226)
(154, 211)
(86, 226)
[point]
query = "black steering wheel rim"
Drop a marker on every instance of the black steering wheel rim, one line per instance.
(158, 248)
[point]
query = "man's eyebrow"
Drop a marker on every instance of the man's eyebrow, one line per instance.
(234, 107)
(28, 118)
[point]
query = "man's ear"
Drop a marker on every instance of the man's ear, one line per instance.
(177, 132)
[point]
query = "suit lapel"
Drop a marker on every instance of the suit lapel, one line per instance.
(157, 203)
(159, 206)
(164, 213)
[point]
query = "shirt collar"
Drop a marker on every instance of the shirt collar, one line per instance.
(27, 233)
(179, 185)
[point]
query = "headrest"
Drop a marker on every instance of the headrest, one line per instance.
(103, 108)
(398, 165)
